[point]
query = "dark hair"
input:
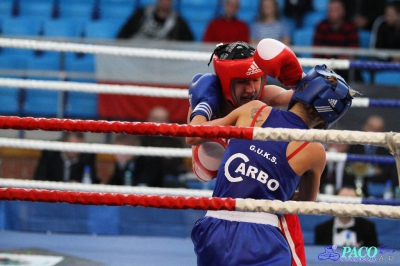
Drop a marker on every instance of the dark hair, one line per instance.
(235, 50)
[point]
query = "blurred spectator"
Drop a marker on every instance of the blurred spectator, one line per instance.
(296, 9)
(336, 31)
(227, 28)
(268, 24)
(158, 114)
(371, 172)
(388, 32)
(364, 12)
(334, 176)
(67, 166)
(172, 166)
(346, 231)
(159, 21)
(131, 170)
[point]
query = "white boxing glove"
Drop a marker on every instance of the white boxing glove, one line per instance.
(207, 158)
(278, 61)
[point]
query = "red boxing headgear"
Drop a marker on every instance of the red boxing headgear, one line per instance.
(235, 61)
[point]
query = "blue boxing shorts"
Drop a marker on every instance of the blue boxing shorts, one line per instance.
(231, 238)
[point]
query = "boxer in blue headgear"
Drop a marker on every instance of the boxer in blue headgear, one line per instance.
(267, 170)
(326, 91)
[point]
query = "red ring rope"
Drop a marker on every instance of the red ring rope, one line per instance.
(134, 128)
(112, 199)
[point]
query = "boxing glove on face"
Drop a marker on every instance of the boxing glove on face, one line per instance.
(278, 61)
(204, 95)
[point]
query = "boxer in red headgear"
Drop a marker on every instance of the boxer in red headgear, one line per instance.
(233, 64)
(238, 79)
(240, 76)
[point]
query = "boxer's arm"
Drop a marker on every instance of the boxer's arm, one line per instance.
(308, 188)
(276, 96)
(204, 95)
(310, 180)
(241, 116)
(197, 120)
(229, 120)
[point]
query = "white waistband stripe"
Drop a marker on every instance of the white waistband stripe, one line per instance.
(249, 217)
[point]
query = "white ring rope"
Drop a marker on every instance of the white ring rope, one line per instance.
(360, 102)
(314, 208)
(324, 136)
(250, 205)
(117, 149)
(94, 148)
(40, 44)
(338, 199)
(103, 49)
(330, 50)
(284, 134)
(388, 139)
(332, 63)
(143, 52)
(114, 89)
(94, 88)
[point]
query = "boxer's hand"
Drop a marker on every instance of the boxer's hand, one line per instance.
(204, 95)
(278, 61)
(207, 159)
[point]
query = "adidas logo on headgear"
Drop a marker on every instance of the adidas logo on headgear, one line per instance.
(332, 102)
(253, 69)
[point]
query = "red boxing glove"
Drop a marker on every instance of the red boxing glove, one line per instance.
(207, 158)
(278, 61)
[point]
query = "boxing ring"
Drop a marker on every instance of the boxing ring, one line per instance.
(113, 225)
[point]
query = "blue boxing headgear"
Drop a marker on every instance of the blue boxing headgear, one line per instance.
(329, 100)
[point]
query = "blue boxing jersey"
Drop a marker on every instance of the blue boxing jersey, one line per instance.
(249, 169)
(259, 169)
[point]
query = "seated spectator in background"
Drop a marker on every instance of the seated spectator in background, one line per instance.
(172, 166)
(268, 24)
(227, 28)
(297, 9)
(336, 31)
(372, 172)
(334, 175)
(388, 34)
(363, 12)
(346, 231)
(159, 22)
(132, 170)
(66, 166)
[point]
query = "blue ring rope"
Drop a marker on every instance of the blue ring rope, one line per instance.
(371, 201)
(384, 102)
(370, 159)
(374, 65)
